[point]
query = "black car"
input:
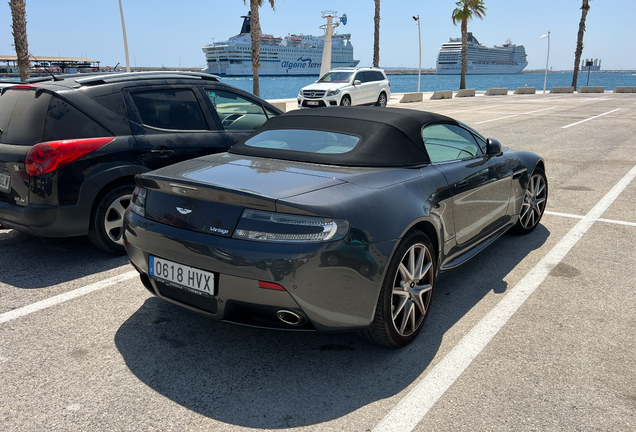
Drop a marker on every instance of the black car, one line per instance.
(334, 219)
(71, 146)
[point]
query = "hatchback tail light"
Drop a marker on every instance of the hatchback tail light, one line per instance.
(48, 156)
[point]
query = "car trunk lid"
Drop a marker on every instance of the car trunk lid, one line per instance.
(14, 182)
(207, 195)
(22, 112)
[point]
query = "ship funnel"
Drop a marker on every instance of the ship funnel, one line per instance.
(245, 28)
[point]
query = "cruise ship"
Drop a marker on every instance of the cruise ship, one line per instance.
(505, 59)
(292, 55)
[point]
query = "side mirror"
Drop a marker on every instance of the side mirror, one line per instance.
(357, 82)
(493, 148)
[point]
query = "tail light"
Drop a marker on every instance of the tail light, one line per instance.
(271, 285)
(265, 226)
(138, 201)
(48, 156)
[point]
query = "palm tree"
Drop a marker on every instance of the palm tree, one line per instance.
(255, 33)
(465, 11)
(18, 13)
(585, 8)
(376, 35)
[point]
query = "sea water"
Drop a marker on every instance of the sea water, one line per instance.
(288, 87)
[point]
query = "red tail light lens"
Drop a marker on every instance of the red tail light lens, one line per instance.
(270, 285)
(22, 87)
(48, 156)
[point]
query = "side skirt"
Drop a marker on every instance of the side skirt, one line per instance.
(460, 259)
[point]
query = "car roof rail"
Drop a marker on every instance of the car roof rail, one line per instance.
(106, 78)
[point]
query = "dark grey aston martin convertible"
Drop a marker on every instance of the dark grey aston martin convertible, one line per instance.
(335, 219)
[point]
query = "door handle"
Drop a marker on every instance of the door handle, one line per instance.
(162, 151)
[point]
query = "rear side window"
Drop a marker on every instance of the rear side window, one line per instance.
(448, 142)
(236, 112)
(369, 76)
(378, 76)
(170, 109)
(64, 121)
(114, 102)
(22, 114)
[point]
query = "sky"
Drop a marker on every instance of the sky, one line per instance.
(172, 33)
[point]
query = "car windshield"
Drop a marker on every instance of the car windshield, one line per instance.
(308, 141)
(336, 77)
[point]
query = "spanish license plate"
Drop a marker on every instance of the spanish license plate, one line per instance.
(312, 103)
(5, 182)
(180, 276)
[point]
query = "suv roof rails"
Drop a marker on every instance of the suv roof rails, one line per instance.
(104, 78)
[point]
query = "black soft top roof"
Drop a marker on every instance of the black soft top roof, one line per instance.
(388, 136)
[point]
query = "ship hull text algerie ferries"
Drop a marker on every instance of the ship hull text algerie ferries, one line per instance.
(506, 59)
(291, 55)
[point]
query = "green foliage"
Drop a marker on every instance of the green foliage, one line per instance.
(467, 9)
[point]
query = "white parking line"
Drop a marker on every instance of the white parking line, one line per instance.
(515, 115)
(473, 109)
(52, 301)
(595, 99)
(544, 99)
(591, 118)
(412, 409)
(612, 221)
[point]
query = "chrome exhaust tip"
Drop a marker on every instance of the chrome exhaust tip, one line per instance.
(289, 317)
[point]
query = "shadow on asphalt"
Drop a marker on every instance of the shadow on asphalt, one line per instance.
(35, 262)
(268, 379)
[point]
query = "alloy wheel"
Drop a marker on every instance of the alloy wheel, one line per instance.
(533, 202)
(114, 219)
(412, 290)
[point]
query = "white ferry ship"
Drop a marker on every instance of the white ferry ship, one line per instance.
(291, 55)
(506, 59)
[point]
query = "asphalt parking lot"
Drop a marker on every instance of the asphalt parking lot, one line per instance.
(536, 333)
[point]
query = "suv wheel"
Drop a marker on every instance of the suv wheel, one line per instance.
(107, 221)
(346, 101)
(381, 100)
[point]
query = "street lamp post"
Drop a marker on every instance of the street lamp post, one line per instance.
(419, 34)
(547, 60)
(123, 30)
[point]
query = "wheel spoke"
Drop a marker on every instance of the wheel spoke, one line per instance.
(408, 316)
(404, 273)
(417, 297)
(113, 224)
(423, 268)
(524, 213)
(403, 297)
(541, 188)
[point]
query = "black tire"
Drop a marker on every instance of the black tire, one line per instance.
(534, 202)
(381, 100)
(345, 101)
(107, 220)
(405, 297)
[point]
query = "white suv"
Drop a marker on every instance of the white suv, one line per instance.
(347, 86)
